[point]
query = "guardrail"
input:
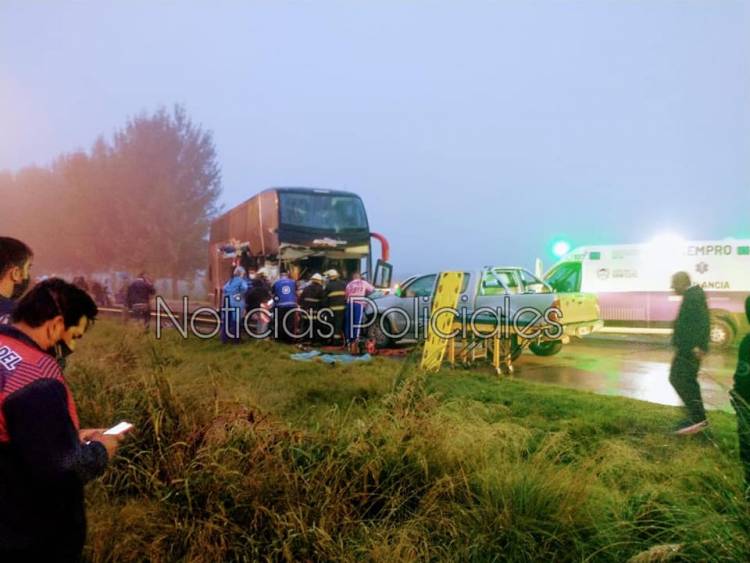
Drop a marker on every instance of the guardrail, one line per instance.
(124, 314)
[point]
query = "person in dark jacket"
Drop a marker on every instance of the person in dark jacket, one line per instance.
(690, 340)
(311, 301)
(138, 299)
(336, 302)
(740, 395)
(15, 276)
(45, 458)
(256, 303)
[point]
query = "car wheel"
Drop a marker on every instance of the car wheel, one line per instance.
(548, 348)
(382, 340)
(721, 334)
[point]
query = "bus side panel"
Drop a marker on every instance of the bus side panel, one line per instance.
(220, 229)
(253, 235)
(269, 219)
(238, 223)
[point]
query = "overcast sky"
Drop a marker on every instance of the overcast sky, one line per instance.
(476, 132)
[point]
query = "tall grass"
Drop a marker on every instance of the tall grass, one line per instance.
(243, 455)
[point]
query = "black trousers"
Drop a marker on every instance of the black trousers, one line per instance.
(684, 378)
(742, 408)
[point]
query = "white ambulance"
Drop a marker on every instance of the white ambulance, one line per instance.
(632, 282)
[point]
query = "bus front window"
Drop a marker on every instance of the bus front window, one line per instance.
(322, 212)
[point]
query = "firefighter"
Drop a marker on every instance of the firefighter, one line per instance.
(311, 300)
(335, 302)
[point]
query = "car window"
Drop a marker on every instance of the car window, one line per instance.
(465, 284)
(566, 278)
(494, 282)
(421, 287)
(532, 284)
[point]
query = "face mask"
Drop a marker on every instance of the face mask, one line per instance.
(20, 288)
(62, 350)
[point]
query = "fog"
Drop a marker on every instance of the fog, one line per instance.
(476, 132)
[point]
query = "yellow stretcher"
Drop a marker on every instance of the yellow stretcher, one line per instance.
(447, 334)
(442, 318)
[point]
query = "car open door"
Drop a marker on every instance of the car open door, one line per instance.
(383, 275)
(576, 307)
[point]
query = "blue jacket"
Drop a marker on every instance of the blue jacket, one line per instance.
(235, 290)
(285, 292)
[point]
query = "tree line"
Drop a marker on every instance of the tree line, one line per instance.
(141, 200)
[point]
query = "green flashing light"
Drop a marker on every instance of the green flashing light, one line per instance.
(561, 248)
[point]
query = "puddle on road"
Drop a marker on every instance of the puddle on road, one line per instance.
(638, 372)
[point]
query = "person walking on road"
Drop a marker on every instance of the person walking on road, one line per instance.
(740, 396)
(15, 276)
(690, 340)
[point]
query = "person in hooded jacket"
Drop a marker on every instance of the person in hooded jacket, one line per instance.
(740, 396)
(690, 339)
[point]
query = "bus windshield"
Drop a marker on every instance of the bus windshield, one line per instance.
(322, 212)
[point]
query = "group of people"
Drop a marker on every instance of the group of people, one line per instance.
(46, 458)
(323, 308)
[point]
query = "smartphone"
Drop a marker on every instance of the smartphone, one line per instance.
(118, 429)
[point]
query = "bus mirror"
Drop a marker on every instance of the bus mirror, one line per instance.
(383, 274)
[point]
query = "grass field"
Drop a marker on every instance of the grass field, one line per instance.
(243, 454)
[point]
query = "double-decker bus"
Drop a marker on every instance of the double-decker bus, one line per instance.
(301, 230)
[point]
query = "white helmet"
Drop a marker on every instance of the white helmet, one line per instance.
(316, 277)
(332, 274)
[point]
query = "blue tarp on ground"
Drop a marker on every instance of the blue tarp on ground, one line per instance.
(329, 358)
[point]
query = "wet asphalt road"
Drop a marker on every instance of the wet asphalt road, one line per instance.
(628, 366)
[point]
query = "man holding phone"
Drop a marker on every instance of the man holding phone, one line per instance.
(45, 458)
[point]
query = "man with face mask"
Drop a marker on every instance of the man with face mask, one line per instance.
(45, 458)
(15, 264)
